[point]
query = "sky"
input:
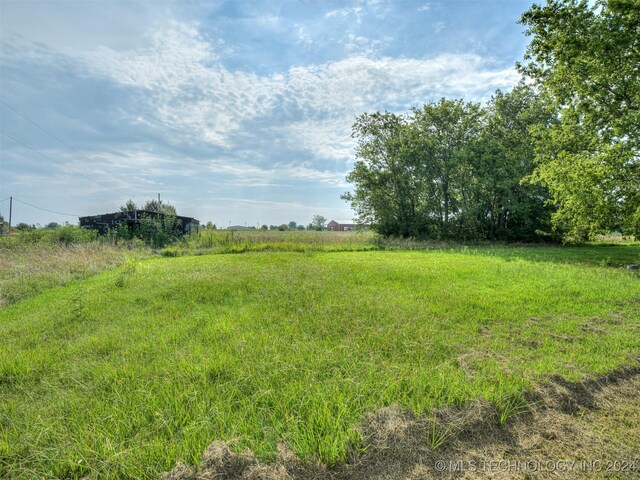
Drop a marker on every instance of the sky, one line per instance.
(235, 112)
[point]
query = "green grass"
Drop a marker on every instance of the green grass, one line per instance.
(122, 374)
(28, 269)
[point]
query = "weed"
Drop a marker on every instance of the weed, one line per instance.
(510, 406)
(437, 434)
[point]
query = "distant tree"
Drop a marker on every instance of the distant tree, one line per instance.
(273, 227)
(52, 225)
(160, 207)
(264, 227)
(300, 227)
(292, 225)
(25, 227)
(284, 227)
(129, 206)
(318, 222)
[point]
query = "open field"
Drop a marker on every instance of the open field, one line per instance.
(127, 372)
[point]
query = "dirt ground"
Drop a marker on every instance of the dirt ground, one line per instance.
(567, 430)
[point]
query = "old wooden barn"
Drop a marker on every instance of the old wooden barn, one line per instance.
(132, 218)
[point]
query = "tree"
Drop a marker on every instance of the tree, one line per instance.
(585, 58)
(512, 209)
(452, 169)
(129, 206)
(318, 222)
(292, 225)
(52, 225)
(160, 207)
(385, 175)
(413, 173)
(446, 141)
(264, 227)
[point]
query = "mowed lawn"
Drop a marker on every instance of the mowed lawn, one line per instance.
(125, 373)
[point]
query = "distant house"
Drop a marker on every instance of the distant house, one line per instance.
(343, 227)
(131, 218)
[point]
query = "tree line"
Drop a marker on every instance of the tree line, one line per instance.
(557, 157)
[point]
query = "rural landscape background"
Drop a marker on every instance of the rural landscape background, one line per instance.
(472, 310)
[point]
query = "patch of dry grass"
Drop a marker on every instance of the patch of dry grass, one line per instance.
(29, 269)
(567, 430)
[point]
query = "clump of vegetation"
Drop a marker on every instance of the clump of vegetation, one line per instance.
(62, 235)
(452, 170)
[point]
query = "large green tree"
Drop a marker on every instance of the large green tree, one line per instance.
(586, 58)
(447, 134)
(451, 169)
(512, 209)
(388, 193)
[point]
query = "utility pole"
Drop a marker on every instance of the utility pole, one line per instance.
(10, 209)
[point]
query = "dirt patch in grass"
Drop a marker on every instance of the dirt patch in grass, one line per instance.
(560, 429)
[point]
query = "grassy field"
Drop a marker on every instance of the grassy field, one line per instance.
(229, 241)
(32, 262)
(124, 373)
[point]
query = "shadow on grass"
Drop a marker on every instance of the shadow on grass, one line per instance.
(614, 256)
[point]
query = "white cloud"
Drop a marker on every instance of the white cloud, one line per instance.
(196, 99)
(355, 12)
(193, 98)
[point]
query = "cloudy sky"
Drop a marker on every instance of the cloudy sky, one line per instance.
(234, 111)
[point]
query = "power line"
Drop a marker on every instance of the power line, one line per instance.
(45, 210)
(5, 199)
(53, 136)
(62, 164)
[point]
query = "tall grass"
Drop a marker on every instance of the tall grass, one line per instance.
(229, 241)
(34, 261)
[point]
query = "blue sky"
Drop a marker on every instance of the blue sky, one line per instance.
(236, 112)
